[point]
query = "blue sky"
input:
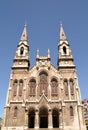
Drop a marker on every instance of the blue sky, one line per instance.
(43, 22)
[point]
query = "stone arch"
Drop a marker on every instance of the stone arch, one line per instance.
(55, 118)
(43, 117)
(31, 118)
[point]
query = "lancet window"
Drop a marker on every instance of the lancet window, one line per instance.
(15, 111)
(20, 87)
(64, 50)
(32, 85)
(71, 86)
(21, 51)
(71, 111)
(15, 83)
(66, 86)
(43, 83)
(54, 87)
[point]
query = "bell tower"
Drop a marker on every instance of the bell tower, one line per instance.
(65, 58)
(70, 90)
(21, 59)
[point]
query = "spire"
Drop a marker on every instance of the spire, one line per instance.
(24, 34)
(62, 33)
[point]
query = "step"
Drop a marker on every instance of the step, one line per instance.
(44, 129)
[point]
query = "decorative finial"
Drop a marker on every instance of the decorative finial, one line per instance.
(25, 25)
(37, 55)
(61, 23)
(48, 53)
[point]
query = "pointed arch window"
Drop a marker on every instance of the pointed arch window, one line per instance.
(43, 83)
(66, 86)
(21, 50)
(54, 87)
(71, 86)
(20, 87)
(15, 112)
(71, 111)
(32, 85)
(15, 87)
(64, 50)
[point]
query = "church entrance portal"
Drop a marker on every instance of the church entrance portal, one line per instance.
(31, 118)
(55, 117)
(43, 118)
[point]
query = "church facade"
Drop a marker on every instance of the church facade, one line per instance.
(43, 96)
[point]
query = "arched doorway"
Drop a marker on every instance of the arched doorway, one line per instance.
(55, 118)
(31, 118)
(43, 117)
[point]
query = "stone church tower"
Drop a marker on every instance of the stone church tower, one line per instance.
(43, 96)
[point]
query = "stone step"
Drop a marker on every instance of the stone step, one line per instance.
(45, 129)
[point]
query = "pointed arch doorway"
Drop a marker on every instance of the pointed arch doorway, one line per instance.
(31, 118)
(43, 117)
(55, 118)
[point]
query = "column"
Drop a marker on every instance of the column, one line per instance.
(26, 119)
(36, 119)
(50, 119)
(63, 121)
(60, 119)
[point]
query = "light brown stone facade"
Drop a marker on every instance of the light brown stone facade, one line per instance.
(43, 96)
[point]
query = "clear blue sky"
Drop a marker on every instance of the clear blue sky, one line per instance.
(43, 21)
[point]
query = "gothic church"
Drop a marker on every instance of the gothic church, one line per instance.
(43, 96)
